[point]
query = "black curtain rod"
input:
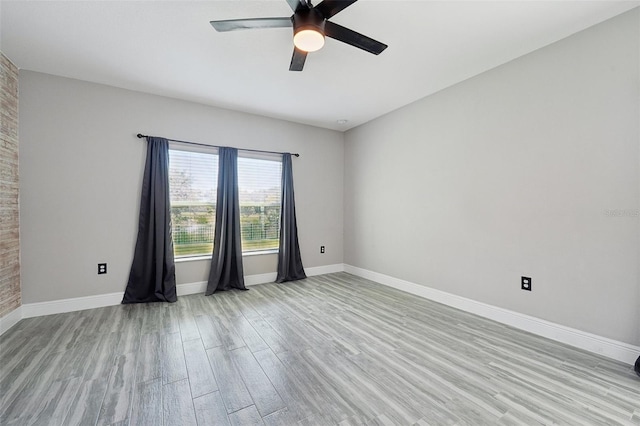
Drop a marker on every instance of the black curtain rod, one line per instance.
(140, 136)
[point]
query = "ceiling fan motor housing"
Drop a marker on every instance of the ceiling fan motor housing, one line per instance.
(309, 19)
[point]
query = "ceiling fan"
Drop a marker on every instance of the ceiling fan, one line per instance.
(310, 26)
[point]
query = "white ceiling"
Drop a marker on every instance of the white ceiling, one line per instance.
(168, 48)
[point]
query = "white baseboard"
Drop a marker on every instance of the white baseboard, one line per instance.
(61, 306)
(326, 269)
(191, 288)
(98, 301)
(604, 346)
(251, 280)
(11, 319)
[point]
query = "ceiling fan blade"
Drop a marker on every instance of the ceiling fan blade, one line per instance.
(353, 38)
(329, 8)
(251, 24)
(297, 5)
(297, 60)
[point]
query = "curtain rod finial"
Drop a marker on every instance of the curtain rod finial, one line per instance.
(140, 135)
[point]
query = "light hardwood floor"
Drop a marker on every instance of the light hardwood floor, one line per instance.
(333, 349)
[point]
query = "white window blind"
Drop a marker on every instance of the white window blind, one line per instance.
(193, 183)
(260, 188)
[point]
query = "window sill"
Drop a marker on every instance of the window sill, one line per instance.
(191, 259)
(208, 257)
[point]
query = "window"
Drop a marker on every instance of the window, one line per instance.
(260, 188)
(193, 182)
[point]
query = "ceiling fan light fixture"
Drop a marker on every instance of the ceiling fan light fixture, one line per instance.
(308, 40)
(308, 30)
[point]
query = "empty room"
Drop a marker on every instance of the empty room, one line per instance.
(342, 212)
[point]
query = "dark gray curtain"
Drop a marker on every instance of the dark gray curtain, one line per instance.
(226, 263)
(289, 260)
(152, 277)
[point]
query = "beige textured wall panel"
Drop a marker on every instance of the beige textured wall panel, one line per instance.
(10, 297)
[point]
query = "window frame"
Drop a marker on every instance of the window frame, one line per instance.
(212, 150)
(268, 157)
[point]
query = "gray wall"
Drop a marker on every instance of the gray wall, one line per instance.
(81, 169)
(513, 172)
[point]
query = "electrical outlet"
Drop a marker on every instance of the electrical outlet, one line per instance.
(525, 283)
(322, 249)
(102, 268)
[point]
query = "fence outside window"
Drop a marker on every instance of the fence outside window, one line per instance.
(193, 228)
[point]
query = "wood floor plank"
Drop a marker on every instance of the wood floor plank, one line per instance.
(22, 373)
(246, 417)
(147, 399)
(101, 361)
(264, 395)
(14, 352)
(319, 419)
(280, 417)
(66, 334)
(243, 306)
(177, 404)
(54, 404)
(85, 407)
(103, 320)
(269, 335)
(149, 358)
(224, 301)
(210, 410)
(75, 361)
(169, 318)
(117, 401)
(293, 391)
(152, 318)
(208, 332)
(333, 402)
(173, 364)
(248, 334)
(23, 395)
(188, 326)
(381, 420)
(129, 337)
(232, 388)
(359, 388)
(415, 390)
(201, 379)
(230, 338)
